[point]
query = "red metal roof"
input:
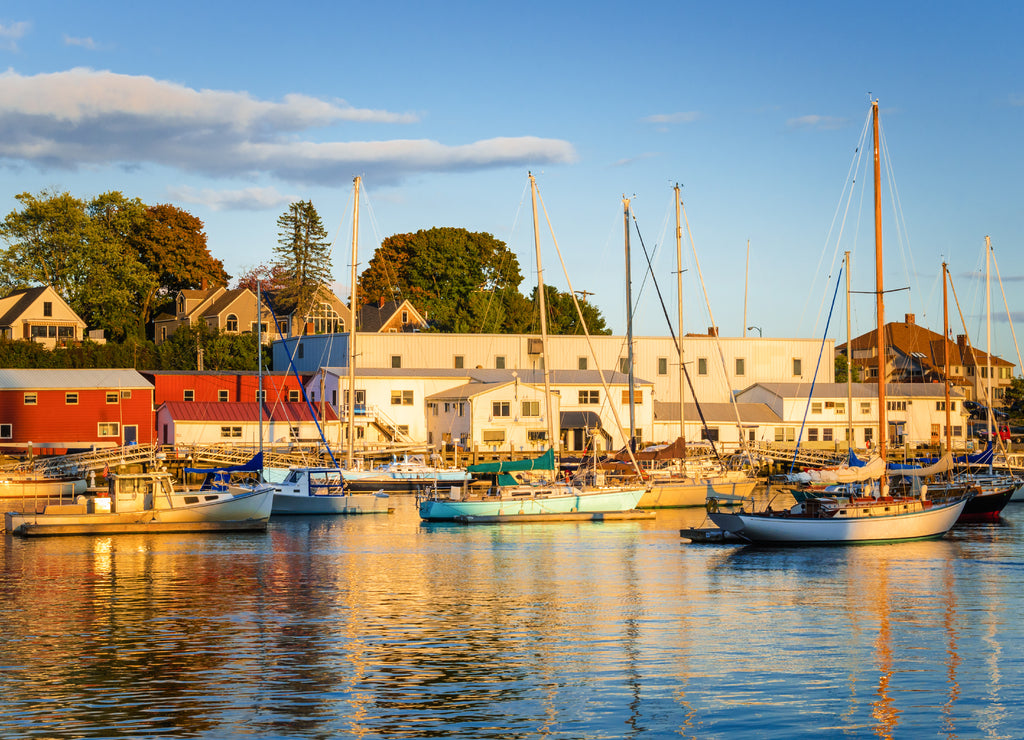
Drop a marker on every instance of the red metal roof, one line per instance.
(247, 412)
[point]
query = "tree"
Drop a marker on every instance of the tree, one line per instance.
(171, 243)
(302, 255)
(563, 317)
(842, 366)
(270, 277)
(463, 281)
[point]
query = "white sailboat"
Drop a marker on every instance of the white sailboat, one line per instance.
(553, 499)
(326, 490)
(874, 516)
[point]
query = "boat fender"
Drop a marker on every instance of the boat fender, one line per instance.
(711, 505)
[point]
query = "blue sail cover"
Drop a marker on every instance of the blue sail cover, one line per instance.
(984, 457)
(217, 479)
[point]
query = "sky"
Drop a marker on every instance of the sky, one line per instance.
(757, 110)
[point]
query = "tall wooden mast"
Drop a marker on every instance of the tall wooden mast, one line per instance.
(945, 351)
(879, 289)
(542, 302)
(353, 312)
(679, 300)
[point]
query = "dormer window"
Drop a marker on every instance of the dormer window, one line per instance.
(231, 323)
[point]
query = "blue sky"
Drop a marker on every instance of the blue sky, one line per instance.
(230, 111)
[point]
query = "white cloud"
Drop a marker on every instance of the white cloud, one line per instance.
(85, 43)
(822, 123)
(84, 117)
(11, 34)
(246, 199)
(672, 118)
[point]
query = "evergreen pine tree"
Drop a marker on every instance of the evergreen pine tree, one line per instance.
(303, 256)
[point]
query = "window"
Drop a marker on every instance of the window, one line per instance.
(952, 405)
(531, 408)
(865, 407)
(702, 366)
(401, 398)
(47, 308)
(589, 397)
(181, 304)
(709, 433)
(662, 366)
(189, 395)
(396, 361)
(112, 396)
(741, 366)
(536, 436)
(460, 362)
(222, 396)
(816, 407)
(405, 317)
(868, 434)
(261, 396)
(432, 408)
(325, 319)
(108, 429)
(500, 408)
(840, 407)
(230, 432)
(126, 394)
(31, 399)
(163, 333)
(71, 399)
(6, 431)
(826, 434)
(896, 405)
(282, 328)
(293, 396)
(461, 409)
(812, 434)
(293, 433)
(624, 365)
(301, 351)
(638, 397)
(499, 364)
(798, 367)
(958, 431)
(65, 332)
(231, 323)
(493, 436)
(581, 363)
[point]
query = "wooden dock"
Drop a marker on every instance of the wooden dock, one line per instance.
(573, 516)
(138, 527)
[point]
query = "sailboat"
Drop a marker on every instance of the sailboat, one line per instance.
(676, 480)
(553, 499)
(870, 516)
(326, 489)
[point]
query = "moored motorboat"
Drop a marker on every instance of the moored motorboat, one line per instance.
(324, 490)
(149, 502)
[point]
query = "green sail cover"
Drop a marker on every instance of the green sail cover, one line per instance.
(544, 462)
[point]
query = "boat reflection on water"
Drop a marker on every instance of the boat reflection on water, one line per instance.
(340, 627)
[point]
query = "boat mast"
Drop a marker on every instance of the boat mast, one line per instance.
(679, 300)
(849, 362)
(259, 361)
(353, 311)
(988, 344)
(631, 438)
(543, 319)
(879, 288)
(945, 351)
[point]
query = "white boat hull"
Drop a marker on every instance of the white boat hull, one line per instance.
(356, 503)
(541, 501)
(665, 494)
(774, 529)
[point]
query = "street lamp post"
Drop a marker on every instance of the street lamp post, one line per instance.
(749, 328)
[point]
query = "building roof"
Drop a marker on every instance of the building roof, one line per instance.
(717, 413)
(17, 302)
(233, 411)
(860, 390)
(72, 379)
(225, 299)
(373, 316)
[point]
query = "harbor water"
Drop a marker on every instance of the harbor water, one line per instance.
(380, 626)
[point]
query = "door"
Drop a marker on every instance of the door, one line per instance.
(131, 434)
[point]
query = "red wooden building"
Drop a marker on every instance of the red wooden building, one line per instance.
(197, 386)
(55, 411)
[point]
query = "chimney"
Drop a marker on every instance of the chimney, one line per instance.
(202, 283)
(712, 331)
(908, 319)
(961, 341)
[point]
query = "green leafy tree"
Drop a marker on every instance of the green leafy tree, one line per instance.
(842, 366)
(464, 281)
(563, 317)
(171, 243)
(302, 254)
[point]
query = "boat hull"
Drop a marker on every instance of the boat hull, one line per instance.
(671, 494)
(778, 530)
(988, 505)
(356, 503)
(576, 501)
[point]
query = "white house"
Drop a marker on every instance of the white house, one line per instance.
(393, 404)
(722, 422)
(189, 423)
(915, 413)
